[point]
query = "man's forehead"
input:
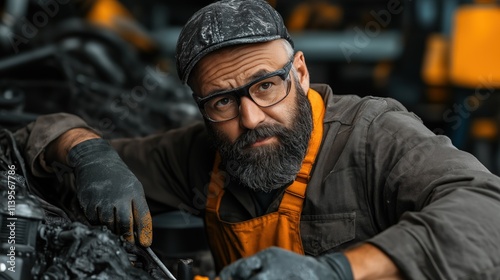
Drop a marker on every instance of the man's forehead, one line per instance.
(242, 63)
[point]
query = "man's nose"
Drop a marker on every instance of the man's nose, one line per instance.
(251, 115)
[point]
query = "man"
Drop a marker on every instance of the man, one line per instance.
(358, 185)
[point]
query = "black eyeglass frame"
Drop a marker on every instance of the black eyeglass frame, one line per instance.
(244, 91)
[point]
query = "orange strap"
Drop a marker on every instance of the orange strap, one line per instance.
(295, 193)
(318, 113)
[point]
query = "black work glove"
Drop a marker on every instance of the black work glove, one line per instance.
(108, 192)
(276, 263)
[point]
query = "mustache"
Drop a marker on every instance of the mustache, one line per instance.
(251, 136)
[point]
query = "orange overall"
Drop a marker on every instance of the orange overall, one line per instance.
(231, 241)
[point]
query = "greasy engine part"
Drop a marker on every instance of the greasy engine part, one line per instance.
(76, 251)
(20, 214)
(20, 219)
(38, 241)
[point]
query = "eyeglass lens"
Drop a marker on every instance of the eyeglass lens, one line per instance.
(264, 93)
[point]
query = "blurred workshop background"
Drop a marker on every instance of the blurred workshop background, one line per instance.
(112, 61)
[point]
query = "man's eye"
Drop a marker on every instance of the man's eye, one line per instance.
(223, 102)
(265, 86)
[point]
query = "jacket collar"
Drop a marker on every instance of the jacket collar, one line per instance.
(339, 108)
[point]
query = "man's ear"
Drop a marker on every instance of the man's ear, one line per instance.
(299, 62)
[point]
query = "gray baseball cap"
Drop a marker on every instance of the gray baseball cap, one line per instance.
(226, 23)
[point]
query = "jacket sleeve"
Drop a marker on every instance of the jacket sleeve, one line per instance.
(34, 138)
(173, 167)
(439, 206)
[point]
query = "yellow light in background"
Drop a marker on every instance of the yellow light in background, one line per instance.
(475, 46)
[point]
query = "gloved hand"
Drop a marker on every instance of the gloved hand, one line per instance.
(108, 192)
(276, 263)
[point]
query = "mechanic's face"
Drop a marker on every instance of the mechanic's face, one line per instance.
(262, 147)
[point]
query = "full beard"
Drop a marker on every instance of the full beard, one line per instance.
(268, 167)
